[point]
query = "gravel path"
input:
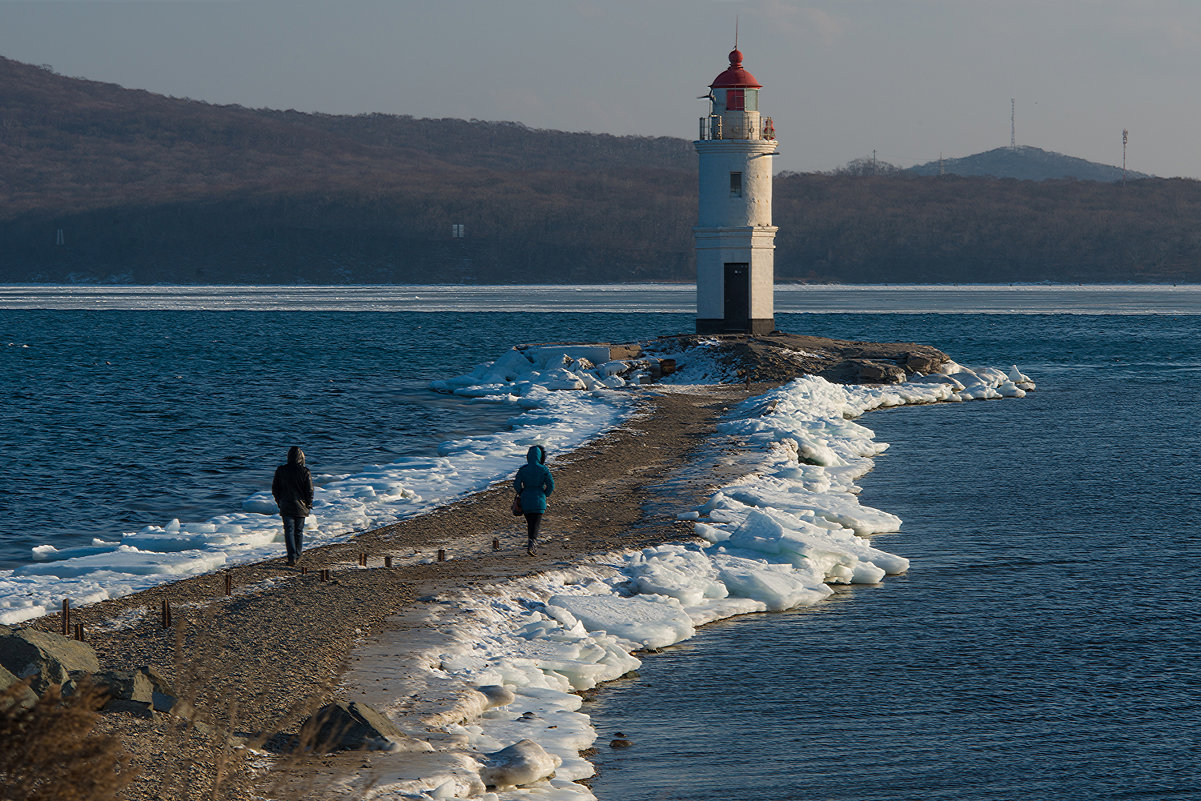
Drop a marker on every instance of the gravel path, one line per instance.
(257, 663)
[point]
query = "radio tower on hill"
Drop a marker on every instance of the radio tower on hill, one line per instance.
(1013, 139)
(1125, 134)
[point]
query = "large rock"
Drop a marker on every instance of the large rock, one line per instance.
(22, 697)
(524, 762)
(497, 695)
(872, 372)
(142, 691)
(45, 658)
(916, 362)
(353, 726)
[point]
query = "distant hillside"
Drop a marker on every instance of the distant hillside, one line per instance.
(69, 144)
(1027, 164)
(100, 183)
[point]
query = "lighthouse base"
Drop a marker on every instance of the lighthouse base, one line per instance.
(753, 327)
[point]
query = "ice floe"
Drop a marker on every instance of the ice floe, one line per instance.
(775, 539)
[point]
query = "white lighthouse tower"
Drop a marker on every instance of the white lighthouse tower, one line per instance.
(735, 240)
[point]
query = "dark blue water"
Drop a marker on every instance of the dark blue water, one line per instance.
(114, 420)
(1043, 645)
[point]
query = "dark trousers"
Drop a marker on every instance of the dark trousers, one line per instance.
(532, 521)
(293, 535)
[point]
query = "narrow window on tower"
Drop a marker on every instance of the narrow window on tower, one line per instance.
(735, 184)
(735, 100)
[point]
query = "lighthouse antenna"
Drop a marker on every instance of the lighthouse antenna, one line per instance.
(735, 31)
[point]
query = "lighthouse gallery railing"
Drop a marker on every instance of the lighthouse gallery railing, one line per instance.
(713, 127)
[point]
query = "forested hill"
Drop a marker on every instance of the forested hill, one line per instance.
(71, 144)
(1026, 163)
(101, 183)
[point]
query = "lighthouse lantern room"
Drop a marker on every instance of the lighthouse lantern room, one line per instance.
(735, 240)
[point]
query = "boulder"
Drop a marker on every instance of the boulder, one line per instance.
(351, 726)
(163, 696)
(23, 697)
(524, 762)
(497, 695)
(144, 689)
(923, 362)
(45, 658)
(125, 685)
(871, 372)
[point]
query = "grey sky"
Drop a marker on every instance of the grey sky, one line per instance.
(908, 78)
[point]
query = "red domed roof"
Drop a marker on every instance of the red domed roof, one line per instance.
(735, 77)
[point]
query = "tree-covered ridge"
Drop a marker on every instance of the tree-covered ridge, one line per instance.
(100, 183)
(69, 144)
(1026, 163)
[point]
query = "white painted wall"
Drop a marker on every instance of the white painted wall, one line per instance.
(715, 247)
(735, 229)
(719, 158)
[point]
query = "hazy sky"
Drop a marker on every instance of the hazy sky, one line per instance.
(908, 78)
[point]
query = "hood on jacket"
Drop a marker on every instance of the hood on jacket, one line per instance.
(536, 455)
(296, 456)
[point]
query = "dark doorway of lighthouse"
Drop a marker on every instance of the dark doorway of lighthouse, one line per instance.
(738, 297)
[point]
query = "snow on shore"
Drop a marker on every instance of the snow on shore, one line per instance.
(774, 539)
(374, 497)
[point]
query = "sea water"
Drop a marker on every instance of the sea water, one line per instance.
(120, 419)
(1044, 641)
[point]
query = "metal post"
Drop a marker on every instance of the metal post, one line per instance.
(66, 617)
(166, 612)
(495, 544)
(229, 584)
(79, 631)
(387, 561)
(362, 560)
(441, 554)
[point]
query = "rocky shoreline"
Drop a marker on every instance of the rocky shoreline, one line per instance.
(251, 666)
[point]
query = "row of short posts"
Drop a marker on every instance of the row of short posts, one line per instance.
(67, 630)
(165, 606)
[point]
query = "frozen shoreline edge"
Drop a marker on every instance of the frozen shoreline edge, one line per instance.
(351, 505)
(531, 644)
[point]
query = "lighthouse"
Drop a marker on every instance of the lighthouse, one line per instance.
(735, 240)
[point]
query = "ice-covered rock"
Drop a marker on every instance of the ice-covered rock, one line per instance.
(520, 764)
(355, 726)
(497, 695)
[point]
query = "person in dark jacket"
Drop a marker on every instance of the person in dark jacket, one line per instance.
(293, 491)
(533, 484)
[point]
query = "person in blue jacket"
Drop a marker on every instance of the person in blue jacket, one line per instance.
(533, 484)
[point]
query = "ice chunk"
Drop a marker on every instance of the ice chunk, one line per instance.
(522, 763)
(130, 560)
(776, 586)
(686, 575)
(647, 622)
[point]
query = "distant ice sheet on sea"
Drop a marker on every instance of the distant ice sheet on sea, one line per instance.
(774, 539)
(1183, 299)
